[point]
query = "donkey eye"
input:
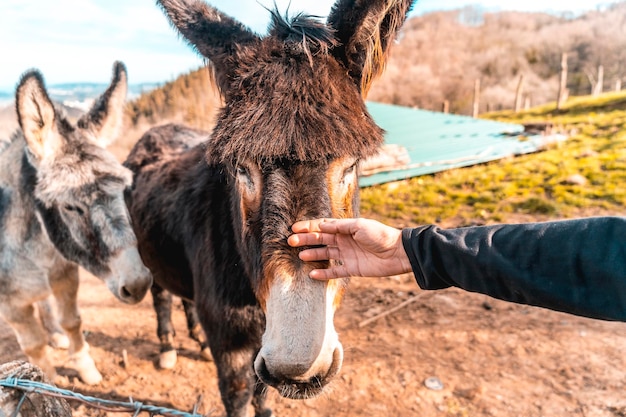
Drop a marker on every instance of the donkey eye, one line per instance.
(241, 170)
(348, 172)
(245, 178)
(76, 209)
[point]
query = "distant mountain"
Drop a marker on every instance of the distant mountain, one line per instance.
(5, 98)
(75, 98)
(81, 95)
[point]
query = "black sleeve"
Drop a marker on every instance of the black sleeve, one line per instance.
(574, 266)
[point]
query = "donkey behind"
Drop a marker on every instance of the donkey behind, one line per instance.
(62, 205)
(213, 220)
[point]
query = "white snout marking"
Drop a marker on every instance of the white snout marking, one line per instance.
(300, 337)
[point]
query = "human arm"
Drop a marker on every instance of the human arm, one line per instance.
(574, 266)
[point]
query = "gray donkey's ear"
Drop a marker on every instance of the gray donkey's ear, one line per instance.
(106, 117)
(366, 30)
(36, 116)
(210, 32)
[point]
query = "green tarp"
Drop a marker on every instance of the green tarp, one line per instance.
(436, 141)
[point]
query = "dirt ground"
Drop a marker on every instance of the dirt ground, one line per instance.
(492, 358)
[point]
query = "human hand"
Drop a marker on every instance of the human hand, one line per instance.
(361, 247)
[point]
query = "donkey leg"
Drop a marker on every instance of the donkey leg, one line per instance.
(49, 318)
(162, 302)
(64, 281)
(234, 342)
(235, 380)
(195, 329)
(31, 336)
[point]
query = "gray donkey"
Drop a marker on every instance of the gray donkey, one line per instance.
(61, 206)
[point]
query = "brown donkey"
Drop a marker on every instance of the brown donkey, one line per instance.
(212, 217)
(61, 206)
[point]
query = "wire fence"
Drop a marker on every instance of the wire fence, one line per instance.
(131, 406)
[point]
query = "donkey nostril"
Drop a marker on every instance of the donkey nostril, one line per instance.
(261, 369)
(125, 293)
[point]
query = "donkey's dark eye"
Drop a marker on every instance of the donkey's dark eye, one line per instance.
(242, 171)
(75, 209)
(349, 171)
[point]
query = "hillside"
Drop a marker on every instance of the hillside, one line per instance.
(191, 99)
(441, 55)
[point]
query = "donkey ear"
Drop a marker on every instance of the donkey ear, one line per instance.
(366, 30)
(210, 32)
(106, 117)
(36, 115)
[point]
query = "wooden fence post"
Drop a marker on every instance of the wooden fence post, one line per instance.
(476, 104)
(518, 93)
(445, 107)
(36, 403)
(598, 88)
(563, 82)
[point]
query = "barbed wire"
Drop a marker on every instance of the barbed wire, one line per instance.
(135, 407)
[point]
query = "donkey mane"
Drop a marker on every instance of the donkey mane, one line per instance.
(314, 35)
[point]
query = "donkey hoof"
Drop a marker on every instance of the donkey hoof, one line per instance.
(205, 354)
(90, 376)
(167, 359)
(86, 367)
(60, 380)
(87, 371)
(59, 341)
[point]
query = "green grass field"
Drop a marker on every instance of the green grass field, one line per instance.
(524, 188)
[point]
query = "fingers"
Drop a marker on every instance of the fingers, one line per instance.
(311, 239)
(324, 253)
(303, 239)
(305, 226)
(330, 273)
(325, 225)
(320, 231)
(339, 226)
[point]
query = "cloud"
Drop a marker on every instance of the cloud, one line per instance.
(77, 40)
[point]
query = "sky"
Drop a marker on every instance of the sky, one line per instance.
(78, 40)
